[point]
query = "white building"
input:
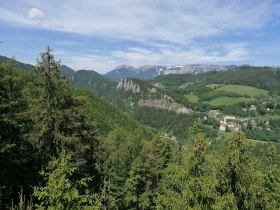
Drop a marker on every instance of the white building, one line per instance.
(223, 126)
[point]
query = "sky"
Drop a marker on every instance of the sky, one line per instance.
(102, 34)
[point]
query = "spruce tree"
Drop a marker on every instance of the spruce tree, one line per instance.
(271, 186)
(238, 178)
(16, 153)
(61, 190)
(46, 99)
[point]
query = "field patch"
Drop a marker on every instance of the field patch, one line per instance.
(213, 86)
(184, 86)
(159, 85)
(191, 98)
(226, 101)
(243, 89)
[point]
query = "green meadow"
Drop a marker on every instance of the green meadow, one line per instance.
(243, 89)
(191, 98)
(226, 101)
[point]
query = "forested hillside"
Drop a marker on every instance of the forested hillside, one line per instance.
(152, 106)
(88, 79)
(260, 77)
(66, 148)
(249, 94)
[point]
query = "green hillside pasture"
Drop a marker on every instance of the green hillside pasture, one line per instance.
(159, 85)
(191, 98)
(243, 89)
(185, 85)
(226, 101)
(213, 86)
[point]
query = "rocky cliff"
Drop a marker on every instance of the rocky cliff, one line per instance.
(149, 96)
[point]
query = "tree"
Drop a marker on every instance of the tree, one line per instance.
(135, 185)
(47, 99)
(114, 166)
(60, 119)
(237, 176)
(192, 186)
(249, 125)
(271, 196)
(61, 191)
(16, 153)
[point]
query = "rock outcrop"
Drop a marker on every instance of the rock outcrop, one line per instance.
(128, 85)
(164, 104)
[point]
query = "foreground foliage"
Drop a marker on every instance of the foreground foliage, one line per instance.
(55, 152)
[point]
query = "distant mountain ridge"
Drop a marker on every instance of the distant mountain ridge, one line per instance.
(88, 79)
(152, 71)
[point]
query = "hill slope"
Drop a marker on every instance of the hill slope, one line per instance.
(83, 78)
(151, 106)
(94, 81)
(108, 115)
(22, 66)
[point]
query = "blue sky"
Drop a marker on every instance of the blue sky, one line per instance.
(100, 35)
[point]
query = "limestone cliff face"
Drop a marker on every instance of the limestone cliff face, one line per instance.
(150, 97)
(127, 85)
(164, 104)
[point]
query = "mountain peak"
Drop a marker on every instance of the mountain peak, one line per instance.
(152, 71)
(124, 66)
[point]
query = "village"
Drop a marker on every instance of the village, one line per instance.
(229, 123)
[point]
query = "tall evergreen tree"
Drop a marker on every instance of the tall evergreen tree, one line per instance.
(61, 191)
(187, 183)
(238, 176)
(60, 120)
(18, 167)
(47, 99)
(271, 186)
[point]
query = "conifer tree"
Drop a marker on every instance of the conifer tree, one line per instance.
(16, 153)
(271, 186)
(186, 183)
(46, 96)
(114, 168)
(60, 120)
(237, 176)
(61, 191)
(135, 185)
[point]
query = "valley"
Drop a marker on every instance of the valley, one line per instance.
(140, 105)
(127, 128)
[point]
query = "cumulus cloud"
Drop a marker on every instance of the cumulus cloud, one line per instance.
(35, 13)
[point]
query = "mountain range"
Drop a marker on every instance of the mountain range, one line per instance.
(151, 71)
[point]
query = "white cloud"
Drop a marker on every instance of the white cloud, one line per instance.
(175, 21)
(141, 56)
(69, 43)
(167, 31)
(101, 64)
(35, 13)
(226, 53)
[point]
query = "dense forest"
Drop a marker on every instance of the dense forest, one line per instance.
(62, 147)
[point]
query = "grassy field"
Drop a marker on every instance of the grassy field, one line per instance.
(184, 86)
(226, 101)
(213, 86)
(159, 85)
(191, 98)
(242, 89)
